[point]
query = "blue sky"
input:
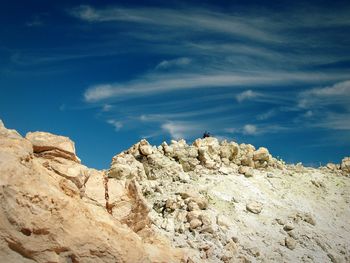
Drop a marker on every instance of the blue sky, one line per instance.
(108, 73)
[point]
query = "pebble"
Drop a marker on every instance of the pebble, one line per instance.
(289, 226)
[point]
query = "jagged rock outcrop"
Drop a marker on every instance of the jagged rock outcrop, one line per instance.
(53, 209)
(206, 202)
(199, 200)
(50, 145)
(345, 165)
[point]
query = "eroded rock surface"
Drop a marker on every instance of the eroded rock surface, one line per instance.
(206, 202)
(233, 203)
(53, 209)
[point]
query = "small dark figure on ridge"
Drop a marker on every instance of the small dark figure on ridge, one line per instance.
(206, 134)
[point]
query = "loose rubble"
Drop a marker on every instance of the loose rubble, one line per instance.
(199, 201)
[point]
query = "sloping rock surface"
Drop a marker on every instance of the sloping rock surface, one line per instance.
(233, 203)
(53, 209)
(209, 201)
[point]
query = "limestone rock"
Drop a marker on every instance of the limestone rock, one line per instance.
(229, 150)
(345, 165)
(125, 166)
(332, 166)
(48, 144)
(195, 223)
(246, 171)
(44, 218)
(290, 243)
(171, 203)
(182, 153)
(8, 133)
(94, 188)
(13, 144)
(262, 154)
(145, 148)
(208, 152)
(254, 207)
(288, 226)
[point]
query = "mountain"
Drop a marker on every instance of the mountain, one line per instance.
(206, 202)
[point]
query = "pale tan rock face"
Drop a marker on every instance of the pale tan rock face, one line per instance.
(172, 203)
(345, 165)
(50, 211)
(125, 166)
(50, 145)
(44, 141)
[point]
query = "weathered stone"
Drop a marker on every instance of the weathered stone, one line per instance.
(195, 223)
(332, 166)
(125, 166)
(60, 146)
(288, 226)
(246, 171)
(145, 148)
(254, 207)
(345, 165)
(193, 215)
(200, 201)
(262, 154)
(40, 205)
(290, 243)
(229, 151)
(158, 198)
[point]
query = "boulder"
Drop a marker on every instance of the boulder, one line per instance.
(229, 150)
(246, 171)
(125, 166)
(145, 148)
(182, 153)
(195, 223)
(208, 152)
(47, 144)
(262, 154)
(290, 243)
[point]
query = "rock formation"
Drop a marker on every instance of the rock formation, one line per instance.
(206, 202)
(53, 209)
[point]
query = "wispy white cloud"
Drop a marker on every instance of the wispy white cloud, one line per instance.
(107, 107)
(333, 121)
(165, 64)
(255, 129)
(250, 129)
(260, 56)
(156, 83)
(185, 114)
(247, 95)
(193, 19)
(337, 94)
(116, 124)
(99, 92)
(328, 106)
(266, 115)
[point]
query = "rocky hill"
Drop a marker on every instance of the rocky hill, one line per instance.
(206, 202)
